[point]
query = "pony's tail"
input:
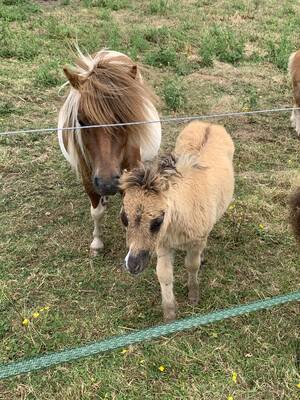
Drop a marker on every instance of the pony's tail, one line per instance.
(294, 202)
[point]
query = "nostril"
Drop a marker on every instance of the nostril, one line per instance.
(97, 181)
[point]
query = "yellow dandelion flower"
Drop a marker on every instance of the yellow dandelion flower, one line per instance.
(124, 351)
(298, 385)
(142, 361)
(230, 398)
(35, 314)
(161, 368)
(232, 206)
(234, 376)
(25, 322)
(261, 226)
(46, 308)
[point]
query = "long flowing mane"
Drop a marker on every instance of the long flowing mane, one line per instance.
(110, 90)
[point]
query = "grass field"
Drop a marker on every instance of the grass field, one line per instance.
(200, 57)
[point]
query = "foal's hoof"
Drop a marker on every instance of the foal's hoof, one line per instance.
(169, 314)
(193, 298)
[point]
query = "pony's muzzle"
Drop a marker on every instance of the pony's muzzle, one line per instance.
(106, 187)
(136, 263)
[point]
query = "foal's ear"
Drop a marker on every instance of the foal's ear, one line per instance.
(133, 71)
(73, 77)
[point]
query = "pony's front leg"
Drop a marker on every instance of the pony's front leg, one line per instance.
(192, 264)
(97, 215)
(164, 270)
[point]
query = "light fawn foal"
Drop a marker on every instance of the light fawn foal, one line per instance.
(175, 204)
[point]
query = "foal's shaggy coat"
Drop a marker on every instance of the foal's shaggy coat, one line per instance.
(176, 203)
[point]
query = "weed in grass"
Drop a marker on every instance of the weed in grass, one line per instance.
(17, 10)
(48, 74)
(251, 98)
(56, 30)
(185, 67)
(137, 41)
(221, 43)
(7, 108)
(173, 94)
(113, 36)
(158, 7)
(278, 54)
(162, 57)
(157, 35)
(113, 5)
(23, 46)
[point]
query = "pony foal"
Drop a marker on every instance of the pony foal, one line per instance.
(175, 204)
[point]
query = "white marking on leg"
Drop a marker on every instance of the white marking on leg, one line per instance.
(97, 214)
(297, 121)
(293, 119)
(126, 260)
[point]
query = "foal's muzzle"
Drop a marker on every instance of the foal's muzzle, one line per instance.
(106, 187)
(136, 263)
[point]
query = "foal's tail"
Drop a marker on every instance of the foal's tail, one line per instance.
(294, 202)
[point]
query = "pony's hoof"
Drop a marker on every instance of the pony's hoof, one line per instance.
(169, 315)
(194, 298)
(94, 252)
(96, 246)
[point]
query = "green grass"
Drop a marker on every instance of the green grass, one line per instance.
(200, 57)
(223, 44)
(173, 94)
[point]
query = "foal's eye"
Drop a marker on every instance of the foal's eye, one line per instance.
(155, 224)
(124, 218)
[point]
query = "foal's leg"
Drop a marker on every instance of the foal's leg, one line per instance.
(164, 270)
(97, 215)
(192, 262)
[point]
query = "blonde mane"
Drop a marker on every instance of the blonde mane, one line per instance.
(110, 90)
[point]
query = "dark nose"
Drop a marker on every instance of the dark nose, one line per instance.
(137, 263)
(106, 187)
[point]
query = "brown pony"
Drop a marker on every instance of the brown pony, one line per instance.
(106, 88)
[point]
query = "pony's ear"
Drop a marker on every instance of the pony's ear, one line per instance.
(73, 77)
(133, 71)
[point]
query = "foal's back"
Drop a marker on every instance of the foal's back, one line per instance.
(208, 141)
(206, 187)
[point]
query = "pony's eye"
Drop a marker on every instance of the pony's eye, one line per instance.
(124, 218)
(155, 224)
(81, 123)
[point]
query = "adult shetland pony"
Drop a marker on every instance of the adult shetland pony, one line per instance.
(106, 88)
